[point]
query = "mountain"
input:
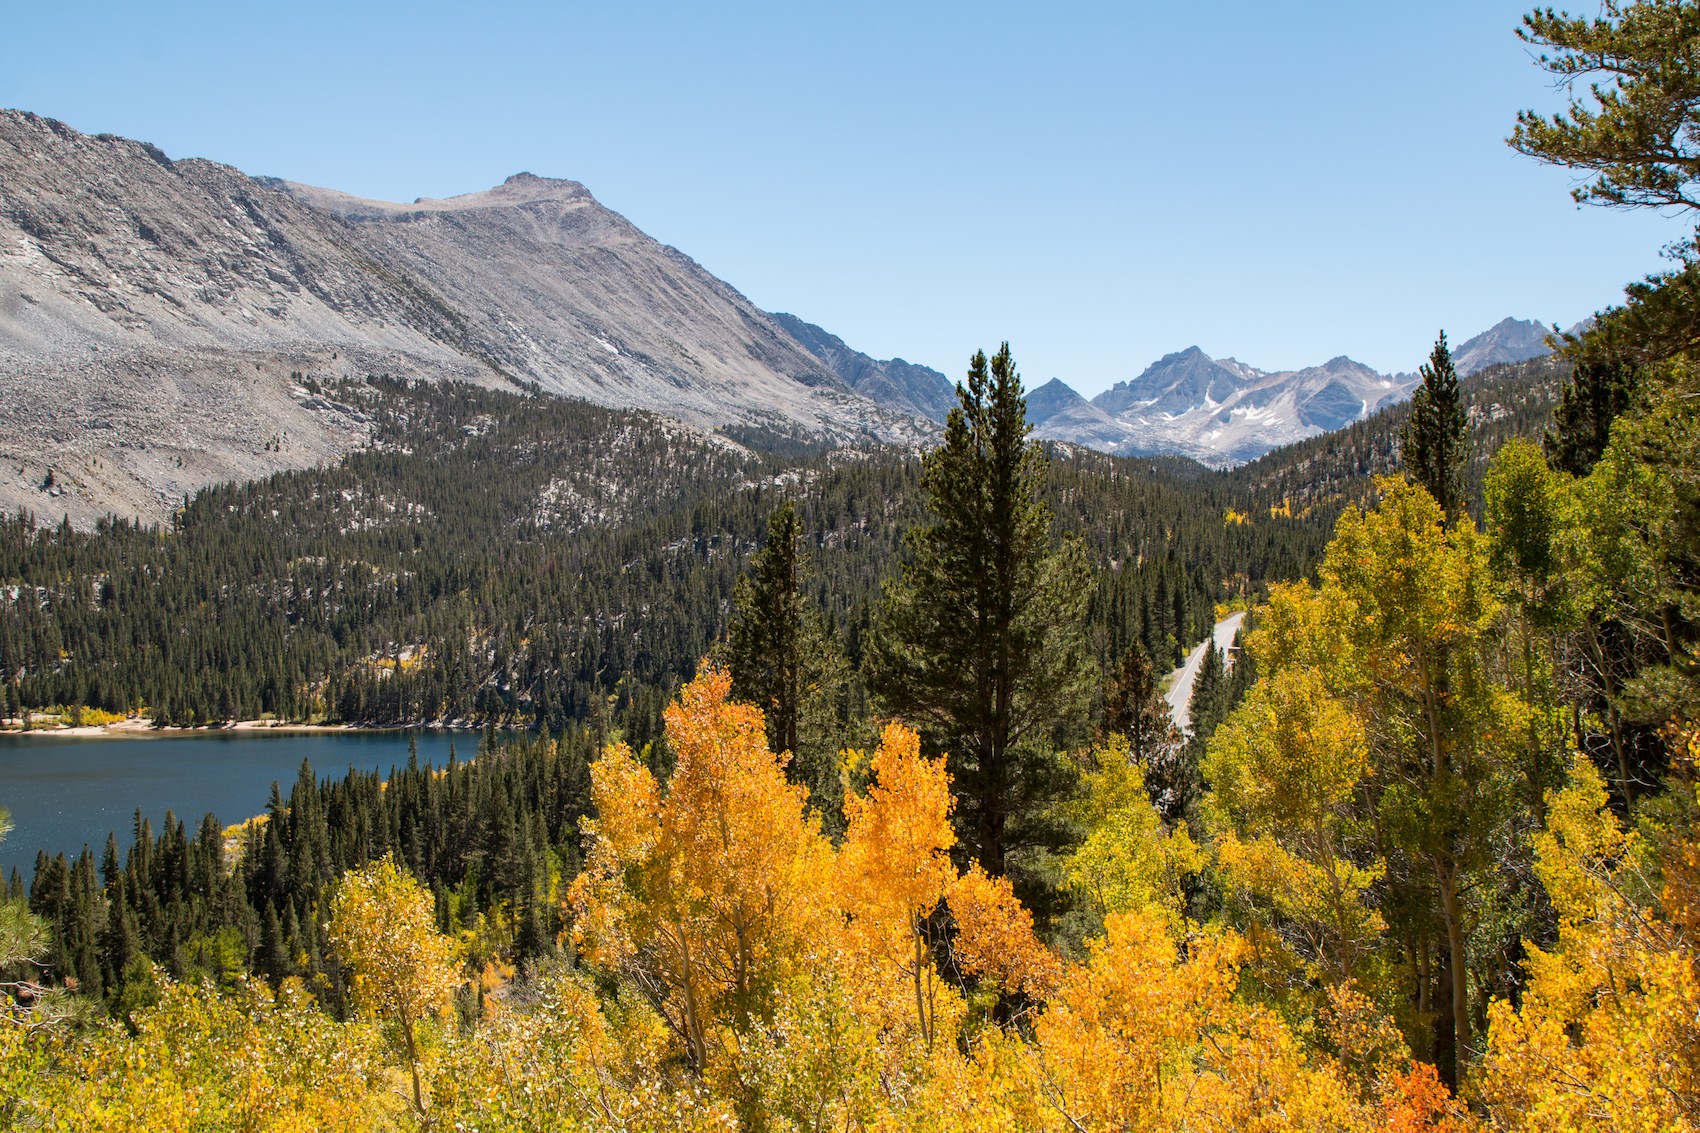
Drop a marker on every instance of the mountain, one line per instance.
(1509, 340)
(165, 324)
(1220, 412)
(893, 383)
(1223, 412)
(1057, 412)
(1174, 384)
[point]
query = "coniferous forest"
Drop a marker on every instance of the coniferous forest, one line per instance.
(836, 790)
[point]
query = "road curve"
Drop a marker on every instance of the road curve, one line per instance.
(1181, 681)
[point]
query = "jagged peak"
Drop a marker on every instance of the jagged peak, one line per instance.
(1055, 385)
(1189, 352)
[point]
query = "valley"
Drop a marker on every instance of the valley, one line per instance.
(550, 691)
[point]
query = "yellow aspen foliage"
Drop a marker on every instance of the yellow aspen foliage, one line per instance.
(1119, 1034)
(1607, 1035)
(894, 869)
(996, 1088)
(1150, 1034)
(1414, 585)
(401, 970)
(239, 1059)
(711, 897)
(568, 1058)
(1127, 861)
(1282, 770)
(1298, 628)
(826, 1058)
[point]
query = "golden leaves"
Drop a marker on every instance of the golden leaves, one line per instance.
(710, 896)
(994, 935)
(384, 927)
(1607, 1035)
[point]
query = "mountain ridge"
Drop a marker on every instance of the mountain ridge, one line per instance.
(166, 324)
(160, 319)
(892, 382)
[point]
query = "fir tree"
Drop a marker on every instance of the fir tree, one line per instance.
(1434, 449)
(980, 641)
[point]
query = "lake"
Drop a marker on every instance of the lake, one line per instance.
(64, 791)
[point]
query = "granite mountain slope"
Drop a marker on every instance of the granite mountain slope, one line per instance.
(166, 325)
(161, 322)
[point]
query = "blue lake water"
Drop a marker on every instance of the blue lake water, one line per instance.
(65, 791)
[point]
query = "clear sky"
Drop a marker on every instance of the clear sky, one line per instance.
(1098, 183)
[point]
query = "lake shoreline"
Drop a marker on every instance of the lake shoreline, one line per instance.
(70, 791)
(136, 727)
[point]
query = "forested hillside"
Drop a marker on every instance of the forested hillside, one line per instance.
(496, 558)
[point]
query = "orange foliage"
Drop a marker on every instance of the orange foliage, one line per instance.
(894, 870)
(710, 896)
(995, 938)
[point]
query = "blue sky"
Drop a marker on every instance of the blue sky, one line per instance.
(1099, 184)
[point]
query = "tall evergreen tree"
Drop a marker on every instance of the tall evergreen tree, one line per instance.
(765, 641)
(782, 659)
(980, 641)
(1434, 450)
(1207, 708)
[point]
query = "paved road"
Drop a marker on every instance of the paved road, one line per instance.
(1179, 695)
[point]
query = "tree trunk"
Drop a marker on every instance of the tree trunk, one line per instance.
(695, 1043)
(413, 1062)
(1447, 875)
(920, 997)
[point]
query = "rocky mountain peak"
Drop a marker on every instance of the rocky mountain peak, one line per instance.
(1222, 411)
(1509, 340)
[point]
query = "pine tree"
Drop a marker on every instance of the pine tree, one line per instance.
(1593, 397)
(781, 658)
(980, 642)
(764, 645)
(1434, 449)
